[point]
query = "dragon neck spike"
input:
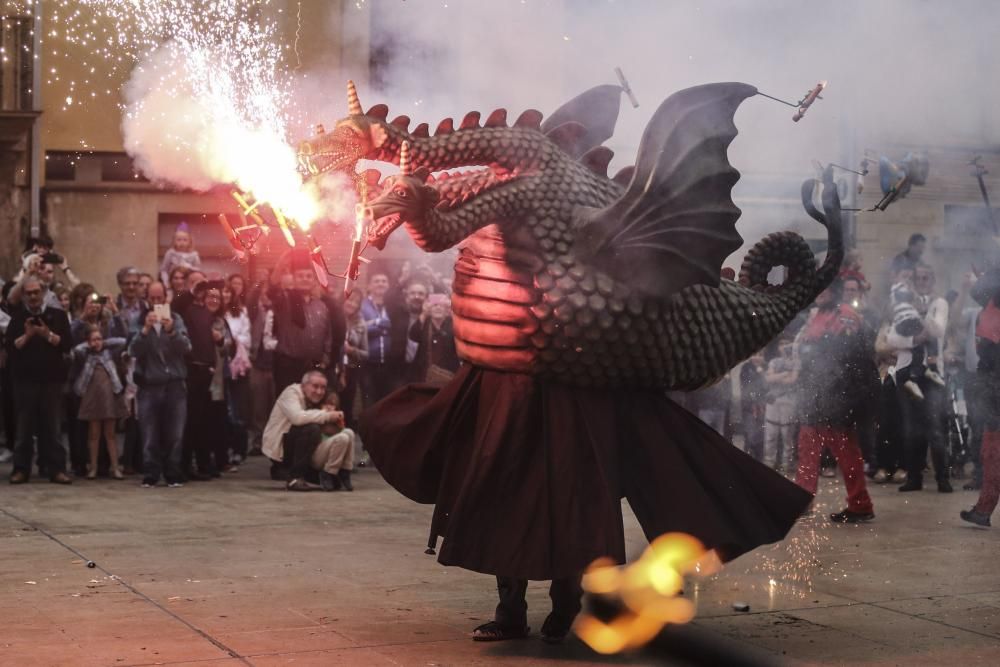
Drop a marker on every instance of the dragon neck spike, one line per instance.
(405, 168)
(353, 103)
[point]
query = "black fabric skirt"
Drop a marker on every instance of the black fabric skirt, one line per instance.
(527, 476)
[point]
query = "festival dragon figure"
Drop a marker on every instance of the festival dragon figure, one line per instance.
(578, 300)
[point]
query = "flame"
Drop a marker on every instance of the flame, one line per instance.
(648, 589)
(262, 164)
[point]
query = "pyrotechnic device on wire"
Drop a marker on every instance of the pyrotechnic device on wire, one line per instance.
(897, 178)
(802, 105)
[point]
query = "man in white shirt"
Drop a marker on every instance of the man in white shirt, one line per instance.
(293, 433)
(923, 418)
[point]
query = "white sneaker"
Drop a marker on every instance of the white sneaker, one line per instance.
(6, 455)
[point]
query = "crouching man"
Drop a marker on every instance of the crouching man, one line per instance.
(304, 435)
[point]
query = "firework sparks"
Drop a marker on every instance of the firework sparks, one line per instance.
(208, 100)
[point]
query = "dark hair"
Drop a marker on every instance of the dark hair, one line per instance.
(418, 280)
(183, 270)
(79, 295)
(915, 239)
(92, 329)
(235, 306)
(126, 271)
(43, 240)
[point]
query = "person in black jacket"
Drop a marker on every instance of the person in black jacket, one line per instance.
(435, 357)
(37, 342)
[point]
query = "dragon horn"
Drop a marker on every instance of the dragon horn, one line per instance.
(405, 168)
(353, 103)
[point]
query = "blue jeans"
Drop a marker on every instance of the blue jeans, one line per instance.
(39, 412)
(162, 413)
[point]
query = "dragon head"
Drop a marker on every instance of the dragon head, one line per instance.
(354, 138)
(403, 198)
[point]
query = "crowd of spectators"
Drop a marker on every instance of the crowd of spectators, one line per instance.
(182, 380)
(887, 387)
(180, 376)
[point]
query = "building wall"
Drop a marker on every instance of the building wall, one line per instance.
(103, 229)
(951, 251)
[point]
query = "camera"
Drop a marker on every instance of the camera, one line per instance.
(103, 300)
(52, 258)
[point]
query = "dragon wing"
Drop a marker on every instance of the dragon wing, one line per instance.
(596, 110)
(676, 221)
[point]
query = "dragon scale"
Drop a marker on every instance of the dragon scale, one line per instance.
(527, 299)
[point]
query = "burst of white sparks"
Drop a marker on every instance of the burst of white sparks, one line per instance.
(229, 56)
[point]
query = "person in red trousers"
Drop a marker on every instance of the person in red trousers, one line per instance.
(986, 292)
(839, 377)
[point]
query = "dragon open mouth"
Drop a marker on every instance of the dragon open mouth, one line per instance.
(453, 189)
(384, 226)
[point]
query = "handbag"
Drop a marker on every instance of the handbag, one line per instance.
(435, 374)
(438, 375)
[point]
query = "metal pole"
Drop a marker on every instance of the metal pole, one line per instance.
(36, 103)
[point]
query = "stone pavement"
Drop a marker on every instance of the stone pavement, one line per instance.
(240, 572)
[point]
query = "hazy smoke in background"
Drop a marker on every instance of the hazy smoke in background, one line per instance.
(899, 71)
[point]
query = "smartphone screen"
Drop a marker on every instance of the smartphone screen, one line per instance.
(162, 311)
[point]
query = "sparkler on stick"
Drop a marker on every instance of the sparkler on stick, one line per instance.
(233, 238)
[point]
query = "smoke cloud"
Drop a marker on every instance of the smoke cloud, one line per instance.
(188, 123)
(899, 72)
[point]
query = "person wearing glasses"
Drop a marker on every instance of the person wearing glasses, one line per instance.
(37, 342)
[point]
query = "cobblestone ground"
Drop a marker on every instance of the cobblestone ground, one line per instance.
(238, 571)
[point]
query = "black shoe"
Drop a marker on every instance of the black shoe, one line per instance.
(555, 628)
(198, 477)
(972, 486)
(148, 482)
(912, 485)
(944, 486)
(329, 482)
(345, 479)
(494, 632)
(847, 516)
(978, 518)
